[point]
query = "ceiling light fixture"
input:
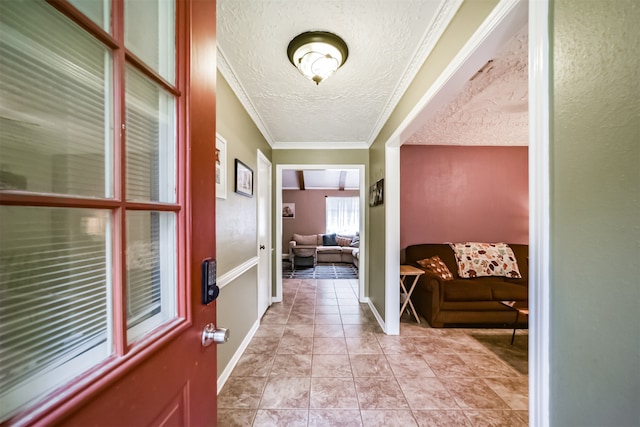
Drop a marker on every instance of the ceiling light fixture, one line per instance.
(317, 54)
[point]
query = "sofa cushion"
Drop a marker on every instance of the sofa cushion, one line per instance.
(465, 290)
(485, 259)
(329, 249)
(309, 240)
(436, 265)
(329, 240)
(505, 291)
(522, 282)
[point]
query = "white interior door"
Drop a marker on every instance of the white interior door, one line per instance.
(265, 249)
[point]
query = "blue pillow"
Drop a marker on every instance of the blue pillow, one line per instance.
(329, 240)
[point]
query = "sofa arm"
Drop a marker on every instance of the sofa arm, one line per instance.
(428, 296)
(434, 284)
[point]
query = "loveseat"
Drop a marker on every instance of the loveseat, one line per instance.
(329, 247)
(460, 301)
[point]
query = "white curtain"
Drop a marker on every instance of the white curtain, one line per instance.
(343, 215)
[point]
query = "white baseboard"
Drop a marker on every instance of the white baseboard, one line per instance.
(222, 379)
(376, 314)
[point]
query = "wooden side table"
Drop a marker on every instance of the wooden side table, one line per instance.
(521, 308)
(409, 271)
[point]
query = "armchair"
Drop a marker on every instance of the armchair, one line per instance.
(303, 256)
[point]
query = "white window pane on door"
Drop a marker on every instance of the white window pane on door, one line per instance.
(150, 140)
(55, 299)
(149, 33)
(151, 271)
(55, 114)
(99, 11)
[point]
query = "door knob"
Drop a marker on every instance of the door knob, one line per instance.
(212, 335)
(261, 246)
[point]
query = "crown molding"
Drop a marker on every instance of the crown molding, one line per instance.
(444, 15)
(230, 76)
(361, 145)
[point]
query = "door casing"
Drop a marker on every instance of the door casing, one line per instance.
(264, 216)
(362, 262)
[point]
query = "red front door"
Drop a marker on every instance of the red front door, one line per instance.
(177, 384)
(170, 380)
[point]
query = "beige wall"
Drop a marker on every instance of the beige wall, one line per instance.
(595, 214)
(468, 18)
(320, 157)
(311, 217)
(236, 230)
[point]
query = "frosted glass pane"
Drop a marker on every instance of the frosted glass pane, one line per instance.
(99, 11)
(54, 298)
(149, 33)
(150, 140)
(55, 113)
(151, 270)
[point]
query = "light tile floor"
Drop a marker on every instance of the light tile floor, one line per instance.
(319, 358)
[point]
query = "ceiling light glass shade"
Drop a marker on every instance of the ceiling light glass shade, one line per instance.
(317, 54)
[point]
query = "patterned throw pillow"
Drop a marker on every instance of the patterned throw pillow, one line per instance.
(355, 242)
(436, 265)
(485, 259)
(343, 240)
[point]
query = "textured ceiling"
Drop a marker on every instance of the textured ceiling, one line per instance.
(388, 41)
(491, 109)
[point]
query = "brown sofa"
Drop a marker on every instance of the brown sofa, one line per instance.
(461, 302)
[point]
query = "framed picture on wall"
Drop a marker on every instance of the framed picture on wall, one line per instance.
(244, 179)
(376, 193)
(288, 210)
(221, 167)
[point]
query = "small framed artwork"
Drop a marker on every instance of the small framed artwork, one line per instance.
(244, 179)
(288, 210)
(376, 193)
(221, 167)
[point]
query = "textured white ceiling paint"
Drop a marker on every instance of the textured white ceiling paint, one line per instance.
(388, 41)
(492, 108)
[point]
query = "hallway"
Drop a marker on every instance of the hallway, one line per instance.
(319, 358)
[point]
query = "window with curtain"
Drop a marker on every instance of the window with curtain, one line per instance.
(65, 217)
(343, 215)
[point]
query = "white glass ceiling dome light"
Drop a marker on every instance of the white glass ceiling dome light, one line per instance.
(317, 54)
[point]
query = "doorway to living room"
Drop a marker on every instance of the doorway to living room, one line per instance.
(323, 206)
(491, 35)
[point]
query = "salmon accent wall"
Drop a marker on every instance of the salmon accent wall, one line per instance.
(461, 193)
(310, 212)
